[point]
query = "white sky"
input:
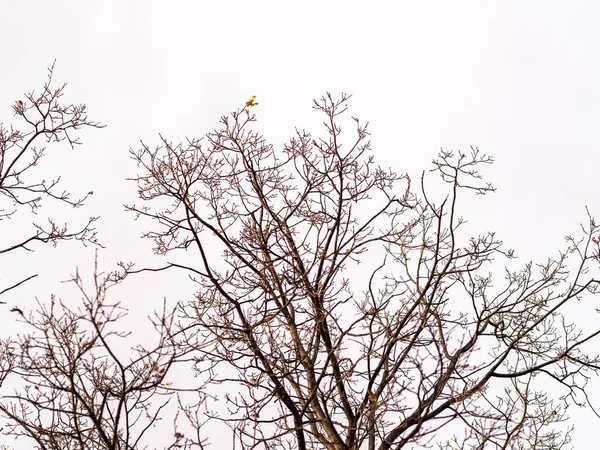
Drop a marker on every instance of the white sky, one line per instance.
(518, 79)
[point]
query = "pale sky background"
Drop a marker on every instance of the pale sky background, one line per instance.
(518, 79)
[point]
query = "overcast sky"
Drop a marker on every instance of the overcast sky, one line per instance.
(518, 79)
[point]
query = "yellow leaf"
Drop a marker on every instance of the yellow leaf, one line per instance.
(251, 102)
(372, 396)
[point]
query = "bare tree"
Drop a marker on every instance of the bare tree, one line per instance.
(77, 386)
(67, 381)
(46, 120)
(439, 346)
